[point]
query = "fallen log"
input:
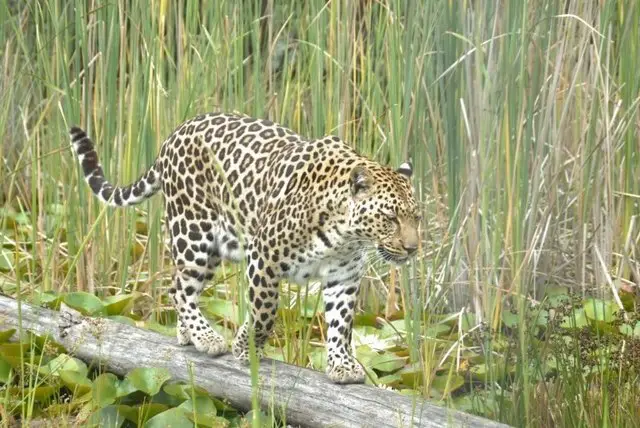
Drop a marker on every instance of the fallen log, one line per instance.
(308, 398)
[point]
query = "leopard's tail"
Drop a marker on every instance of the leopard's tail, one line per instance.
(115, 196)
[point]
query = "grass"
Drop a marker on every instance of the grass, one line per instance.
(521, 119)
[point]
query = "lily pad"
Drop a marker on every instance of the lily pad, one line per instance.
(437, 330)
(224, 309)
(446, 384)
(122, 319)
(184, 391)
(412, 376)
(125, 387)
(77, 382)
(600, 310)
(39, 393)
(115, 305)
(64, 362)
(318, 358)
(106, 417)
(6, 335)
(5, 371)
(509, 319)
(141, 414)
(105, 389)
(85, 303)
(391, 380)
(148, 379)
(174, 418)
(576, 319)
(629, 330)
(200, 409)
(387, 362)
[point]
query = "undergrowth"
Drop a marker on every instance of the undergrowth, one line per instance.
(520, 118)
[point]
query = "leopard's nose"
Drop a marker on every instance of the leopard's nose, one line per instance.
(410, 248)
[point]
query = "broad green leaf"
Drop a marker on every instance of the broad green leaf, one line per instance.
(556, 290)
(159, 328)
(45, 342)
(85, 303)
(5, 371)
(576, 319)
(257, 418)
(106, 417)
(64, 362)
(115, 305)
(6, 335)
(494, 371)
(105, 389)
(14, 349)
(631, 331)
(600, 310)
(391, 380)
(184, 391)
(463, 403)
(557, 300)
(437, 330)
(541, 317)
(212, 422)
(366, 319)
(201, 410)
(224, 309)
(122, 319)
(396, 328)
(446, 384)
(39, 393)
(49, 299)
(365, 354)
(387, 362)
(412, 376)
(140, 414)
(318, 358)
(125, 387)
(77, 382)
(174, 418)
(509, 319)
(148, 379)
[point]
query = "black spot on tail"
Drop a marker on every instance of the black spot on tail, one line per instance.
(133, 194)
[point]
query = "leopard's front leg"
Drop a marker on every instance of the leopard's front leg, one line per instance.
(340, 301)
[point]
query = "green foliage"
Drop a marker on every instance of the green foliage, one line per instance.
(520, 120)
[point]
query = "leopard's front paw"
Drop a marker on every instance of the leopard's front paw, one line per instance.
(240, 350)
(182, 333)
(346, 371)
(210, 342)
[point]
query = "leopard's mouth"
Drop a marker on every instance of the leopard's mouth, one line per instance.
(391, 256)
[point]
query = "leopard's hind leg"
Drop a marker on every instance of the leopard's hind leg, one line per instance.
(196, 258)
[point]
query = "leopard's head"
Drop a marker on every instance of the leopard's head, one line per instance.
(384, 211)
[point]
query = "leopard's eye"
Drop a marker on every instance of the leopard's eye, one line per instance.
(418, 218)
(391, 216)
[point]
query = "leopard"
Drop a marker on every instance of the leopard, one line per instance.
(241, 189)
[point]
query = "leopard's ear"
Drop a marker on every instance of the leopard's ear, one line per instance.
(405, 170)
(360, 180)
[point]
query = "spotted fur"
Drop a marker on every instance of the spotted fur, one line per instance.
(237, 187)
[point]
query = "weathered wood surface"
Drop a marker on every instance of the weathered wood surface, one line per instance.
(308, 397)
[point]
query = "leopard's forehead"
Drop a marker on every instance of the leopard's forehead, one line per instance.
(394, 191)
